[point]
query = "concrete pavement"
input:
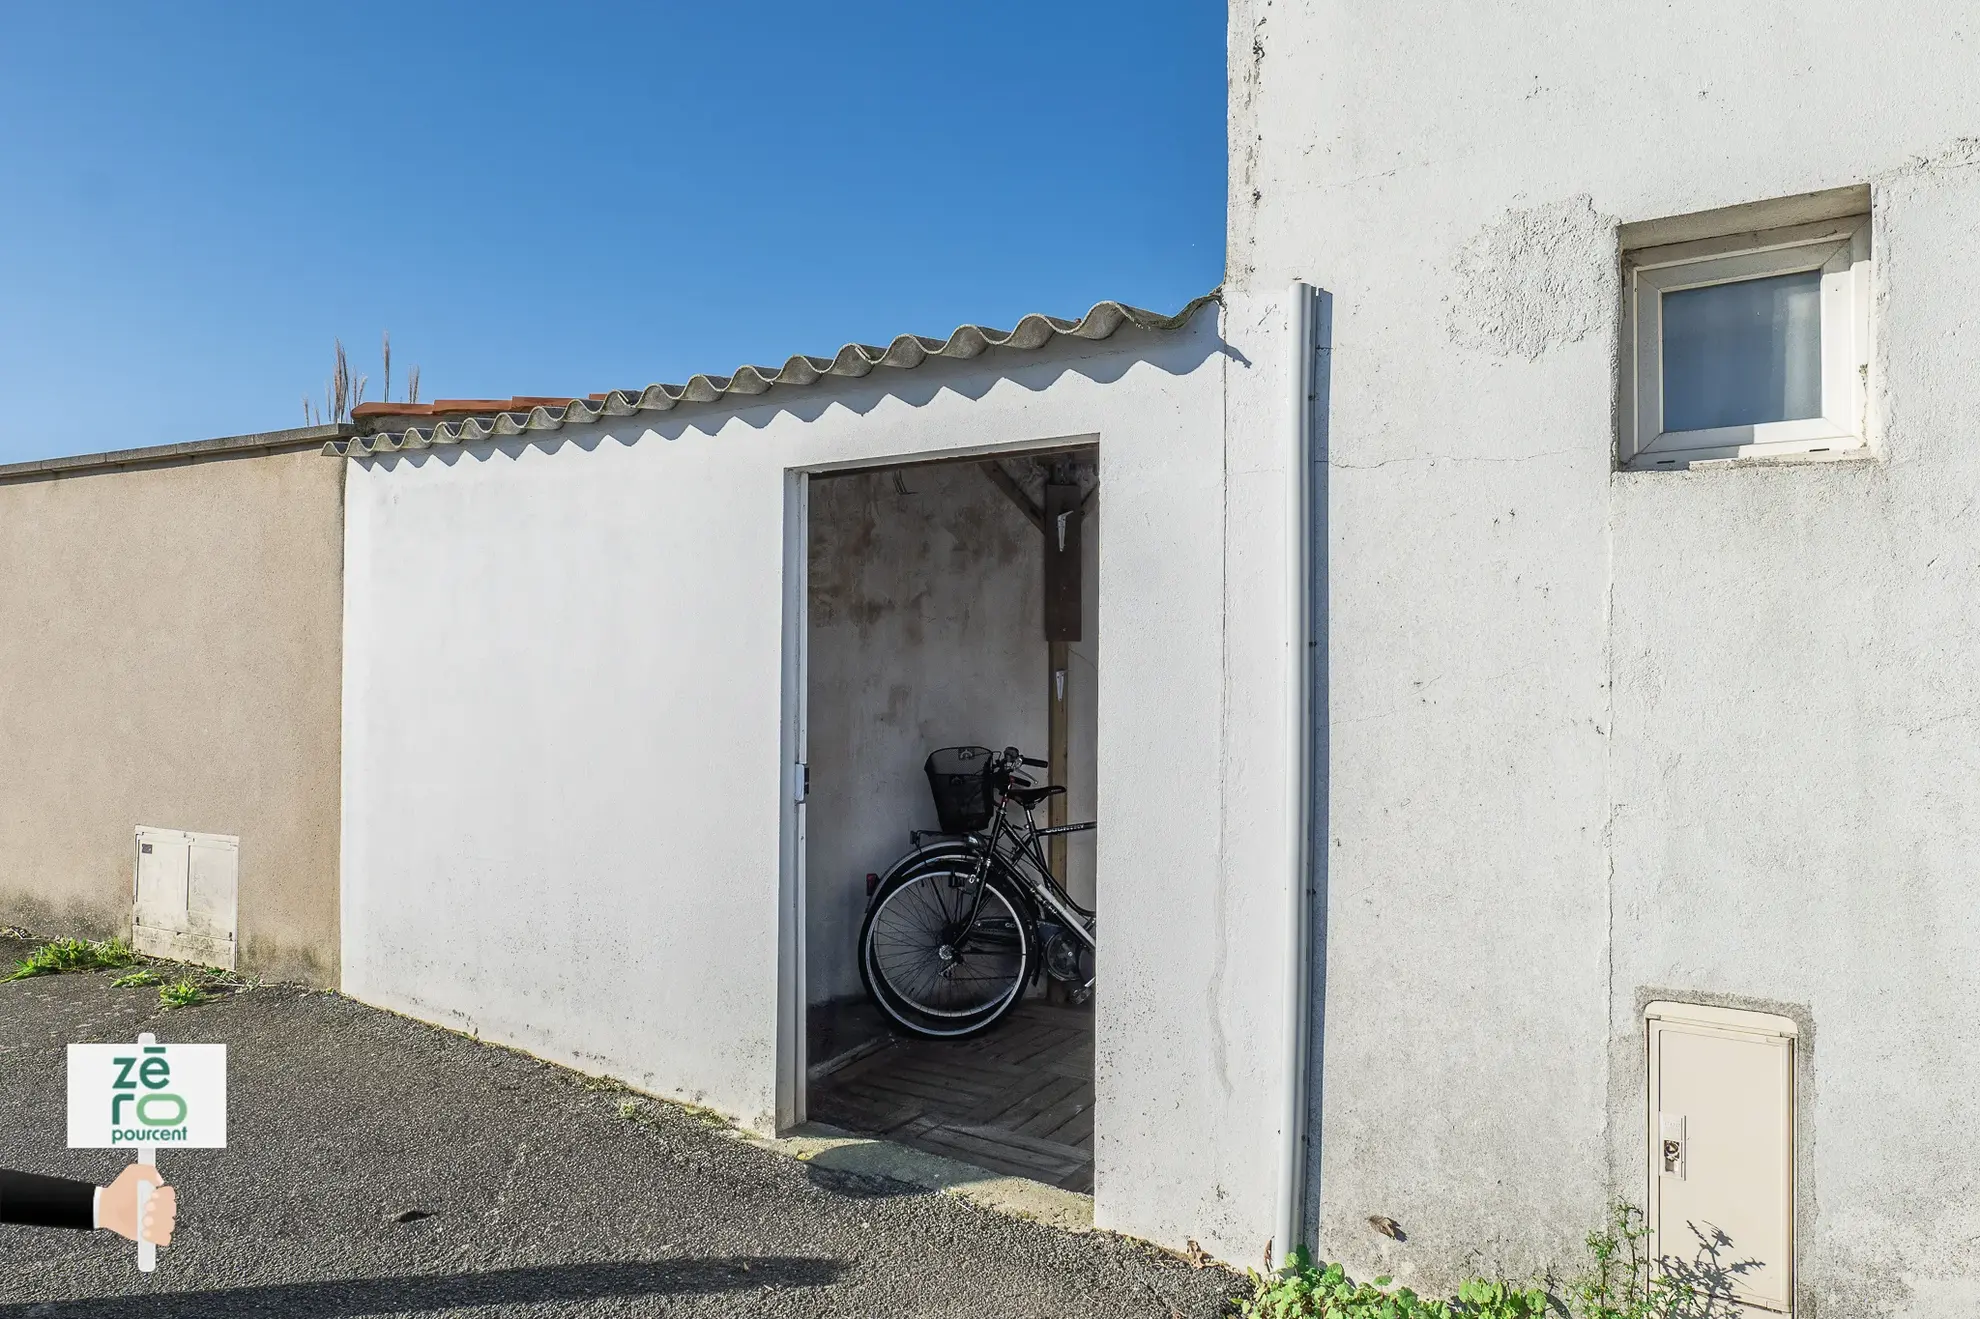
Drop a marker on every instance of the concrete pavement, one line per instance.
(377, 1166)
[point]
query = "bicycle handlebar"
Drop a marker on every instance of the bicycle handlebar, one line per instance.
(1016, 757)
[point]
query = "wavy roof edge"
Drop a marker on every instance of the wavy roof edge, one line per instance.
(906, 352)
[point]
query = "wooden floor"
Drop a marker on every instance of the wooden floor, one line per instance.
(1016, 1100)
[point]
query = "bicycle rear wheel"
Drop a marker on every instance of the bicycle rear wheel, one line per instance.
(934, 970)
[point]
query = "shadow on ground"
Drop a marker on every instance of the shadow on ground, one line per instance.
(338, 1298)
(377, 1166)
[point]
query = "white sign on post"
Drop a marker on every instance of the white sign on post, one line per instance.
(140, 1096)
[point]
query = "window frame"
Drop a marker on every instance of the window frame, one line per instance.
(1840, 250)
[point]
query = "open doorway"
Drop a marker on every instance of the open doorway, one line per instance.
(953, 605)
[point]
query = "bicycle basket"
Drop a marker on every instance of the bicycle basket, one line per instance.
(960, 779)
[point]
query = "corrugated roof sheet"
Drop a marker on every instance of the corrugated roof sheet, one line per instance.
(854, 360)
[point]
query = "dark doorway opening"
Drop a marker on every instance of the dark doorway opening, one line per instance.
(950, 604)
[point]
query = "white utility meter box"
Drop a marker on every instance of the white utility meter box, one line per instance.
(186, 896)
(1722, 1147)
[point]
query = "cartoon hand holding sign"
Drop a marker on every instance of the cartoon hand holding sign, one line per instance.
(142, 1096)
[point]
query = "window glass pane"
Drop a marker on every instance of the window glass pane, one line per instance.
(1743, 353)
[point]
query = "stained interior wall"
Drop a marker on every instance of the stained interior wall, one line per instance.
(926, 631)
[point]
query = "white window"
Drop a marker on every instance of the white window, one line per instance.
(1746, 346)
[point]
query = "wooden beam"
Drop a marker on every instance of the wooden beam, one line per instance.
(1061, 524)
(1063, 620)
(1007, 483)
(1059, 734)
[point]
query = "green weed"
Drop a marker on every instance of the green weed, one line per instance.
(1620, 1281)
(137, 978)
(1623, 1282)
(181, 994)
(60, 955)
(1306, 1290)
(706, 1116)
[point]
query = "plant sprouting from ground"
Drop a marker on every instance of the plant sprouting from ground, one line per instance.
(1624, 1282)
(1621, 1281)
(136, 979)
(216, 978)
(181, 994)
(1305, 1290)
(60, 955)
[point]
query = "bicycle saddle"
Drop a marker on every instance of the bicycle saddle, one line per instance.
(1030, 797)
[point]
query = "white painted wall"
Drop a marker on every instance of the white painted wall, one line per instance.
(1596, 735)
(563, 776)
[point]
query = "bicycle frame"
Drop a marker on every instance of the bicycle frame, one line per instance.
(1034, 873)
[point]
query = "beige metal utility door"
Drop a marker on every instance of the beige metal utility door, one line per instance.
(186, 897)
(1722, 1148)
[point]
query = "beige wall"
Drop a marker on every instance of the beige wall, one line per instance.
(170, 655)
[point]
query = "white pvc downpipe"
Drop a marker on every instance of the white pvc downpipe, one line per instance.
(1301, 324)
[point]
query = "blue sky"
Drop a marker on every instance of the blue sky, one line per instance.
(196, 199)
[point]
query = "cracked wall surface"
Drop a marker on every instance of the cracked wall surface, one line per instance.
(1707, 732)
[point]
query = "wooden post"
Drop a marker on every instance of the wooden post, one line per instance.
(1062, 626)
(1059, 521)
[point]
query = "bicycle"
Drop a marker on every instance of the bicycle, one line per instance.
(956, 929)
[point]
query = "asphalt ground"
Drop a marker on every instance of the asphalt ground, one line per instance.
(378, 1166)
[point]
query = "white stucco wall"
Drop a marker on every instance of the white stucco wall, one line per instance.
(564, 781)
(1601, 735)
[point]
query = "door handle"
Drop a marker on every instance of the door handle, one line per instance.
(1672, 1145)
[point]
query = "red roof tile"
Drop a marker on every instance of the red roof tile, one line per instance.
(442, 406)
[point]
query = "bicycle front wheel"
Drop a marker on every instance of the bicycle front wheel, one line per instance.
(938, 961)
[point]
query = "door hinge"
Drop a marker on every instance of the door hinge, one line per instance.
(800, 783)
